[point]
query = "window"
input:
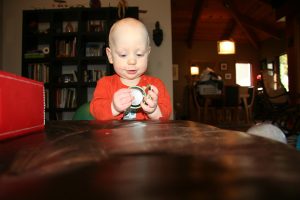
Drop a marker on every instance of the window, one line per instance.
(283, 71)
(243, 74)
(270, 66)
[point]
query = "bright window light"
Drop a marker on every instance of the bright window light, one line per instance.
(243, 74)
(283, 70)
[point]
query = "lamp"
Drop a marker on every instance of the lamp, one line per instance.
(194, 70)
(226, 47)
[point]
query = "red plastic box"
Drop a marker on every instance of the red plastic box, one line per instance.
(22, 105)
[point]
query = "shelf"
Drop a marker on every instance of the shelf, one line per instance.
(94, 60)
(65, 35)
(94, 36)
(44, 36)
(66, 85)
(36, 60)
(76, 39)
(65, 109)
(89, 84)
(67, 60)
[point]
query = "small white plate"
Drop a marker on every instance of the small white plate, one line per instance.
(139, 94)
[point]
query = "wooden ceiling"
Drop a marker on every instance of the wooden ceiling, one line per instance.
(245, 21)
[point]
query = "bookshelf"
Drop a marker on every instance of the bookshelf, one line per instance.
(65, 49)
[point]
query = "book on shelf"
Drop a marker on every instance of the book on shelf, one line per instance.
(95, 25)
(70, 26)
(75, 75)
(47, 99)
(66, 48)
(66, 98)
(39, 72)
(21, 105)
(73, 50)
(94, 49)
(93, 75)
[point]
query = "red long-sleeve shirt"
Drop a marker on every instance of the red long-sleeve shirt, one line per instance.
(100, 106)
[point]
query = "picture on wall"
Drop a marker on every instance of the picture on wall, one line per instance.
(223, 66)
(228, 76)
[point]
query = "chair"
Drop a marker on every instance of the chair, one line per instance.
(274, 90)
(83, 113)
(207, 105)
(232, 104)
(250, 101)
(247, 94)
(277, 105)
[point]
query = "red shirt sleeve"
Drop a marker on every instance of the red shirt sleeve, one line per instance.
(164, 100)
(100, 106)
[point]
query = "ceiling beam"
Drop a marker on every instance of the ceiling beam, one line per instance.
(260, 26)
(250, 35)
(195, 17)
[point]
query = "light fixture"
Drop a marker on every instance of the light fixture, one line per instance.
(226, 47)
(194, 70)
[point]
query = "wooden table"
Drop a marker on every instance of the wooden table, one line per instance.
(146, 160)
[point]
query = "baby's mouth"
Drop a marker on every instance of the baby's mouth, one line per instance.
(131, 71)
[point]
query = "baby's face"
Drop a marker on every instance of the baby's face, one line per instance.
(128, 52)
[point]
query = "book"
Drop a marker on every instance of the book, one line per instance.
(22, 105)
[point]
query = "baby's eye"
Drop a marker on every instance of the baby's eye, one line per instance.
(122, 55)
(140, 54)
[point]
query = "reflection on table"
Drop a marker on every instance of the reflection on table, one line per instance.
(146, 160)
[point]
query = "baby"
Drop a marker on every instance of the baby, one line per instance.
(128, 51)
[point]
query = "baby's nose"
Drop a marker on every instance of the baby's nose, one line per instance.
(131, 60)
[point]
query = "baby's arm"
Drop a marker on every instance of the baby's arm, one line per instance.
(101, 106)
(162, 99)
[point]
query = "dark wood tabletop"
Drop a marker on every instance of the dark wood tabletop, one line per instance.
(146, 160)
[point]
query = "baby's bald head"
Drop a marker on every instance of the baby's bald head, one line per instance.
(128, 26)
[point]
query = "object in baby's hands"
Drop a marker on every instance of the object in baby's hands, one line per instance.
(138, 93)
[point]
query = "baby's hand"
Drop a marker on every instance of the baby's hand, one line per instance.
(149, 104)
(122, 100)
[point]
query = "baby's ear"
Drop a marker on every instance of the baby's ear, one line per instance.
(149, 50)
(109, 56)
